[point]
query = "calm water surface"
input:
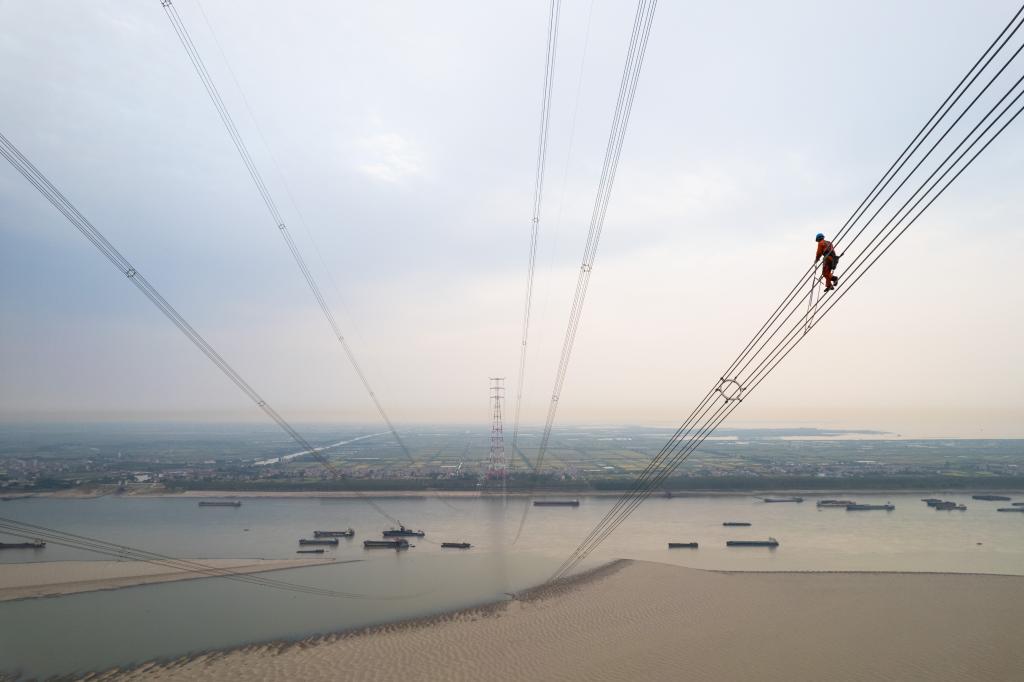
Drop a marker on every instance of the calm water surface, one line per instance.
(88, 631)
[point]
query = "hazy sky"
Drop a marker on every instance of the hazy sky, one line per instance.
(406, 134)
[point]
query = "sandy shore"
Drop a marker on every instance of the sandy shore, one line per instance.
(52, 578)
(644, 621)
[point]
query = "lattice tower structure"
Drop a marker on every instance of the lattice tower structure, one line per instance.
(497, 465)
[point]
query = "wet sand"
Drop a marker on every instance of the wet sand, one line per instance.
(645, 621)
(53, 578)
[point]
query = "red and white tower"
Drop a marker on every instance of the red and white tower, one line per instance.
(497, 465)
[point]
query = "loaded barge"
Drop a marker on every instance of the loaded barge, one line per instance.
(991, 498)
(782, 499)
(456, 545)
(236, 503)
(397, 543)
(835, 503)
(334, 533)
(332, 541)
(1011, 509)
(402, 531)
(39, 544)
(736, 523)
(682, 545)
(310, 551)
(770, 542)
(556, 503)
(870, 507)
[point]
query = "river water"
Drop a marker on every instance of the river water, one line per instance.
(41, 637)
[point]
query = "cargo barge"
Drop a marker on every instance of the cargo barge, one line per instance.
(236, 503)
(310, 551)
(39, 544)
(991, 498)
(556, 503)
(1011, 509)
(871, 507)
(682, 545)
(332, 541)
(402, 531)
(456, 545)
(835, 503)
(736, 523)
(782, 499)
(334, 533)
(949, 506)
(397, 543)
(770, 542)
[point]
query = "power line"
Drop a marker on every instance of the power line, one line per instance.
(236, 137)
(734, 386)
(620, 122)
(59, 201)
(698, 427)
(538, 195)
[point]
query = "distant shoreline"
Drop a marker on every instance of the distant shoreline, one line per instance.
(468, 494)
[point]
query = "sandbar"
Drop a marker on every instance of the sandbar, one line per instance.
(634, 620)
(54, 578)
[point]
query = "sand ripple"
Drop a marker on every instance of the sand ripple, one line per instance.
(643, 621)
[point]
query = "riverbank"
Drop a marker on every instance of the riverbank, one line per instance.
(472, 494)
(639, 620)
(55, 578)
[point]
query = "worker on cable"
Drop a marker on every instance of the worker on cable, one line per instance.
(831, 260)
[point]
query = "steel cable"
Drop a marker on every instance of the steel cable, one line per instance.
(672, 454)
(620, 122)
(229, 125)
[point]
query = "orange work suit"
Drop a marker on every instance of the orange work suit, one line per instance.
(825, 249)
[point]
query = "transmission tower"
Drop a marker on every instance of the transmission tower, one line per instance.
(497, 465)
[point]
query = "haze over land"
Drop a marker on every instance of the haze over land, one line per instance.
(148, 458)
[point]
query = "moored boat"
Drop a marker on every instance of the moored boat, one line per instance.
(35, 544)
(949, 506)
(334, 533)
(402, 531)
(770, 542)
(682, 545)
(397, 543)
(331, 541)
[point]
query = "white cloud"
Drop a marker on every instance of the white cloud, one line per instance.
(388, 157)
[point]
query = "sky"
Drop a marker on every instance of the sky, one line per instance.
(399, 140)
